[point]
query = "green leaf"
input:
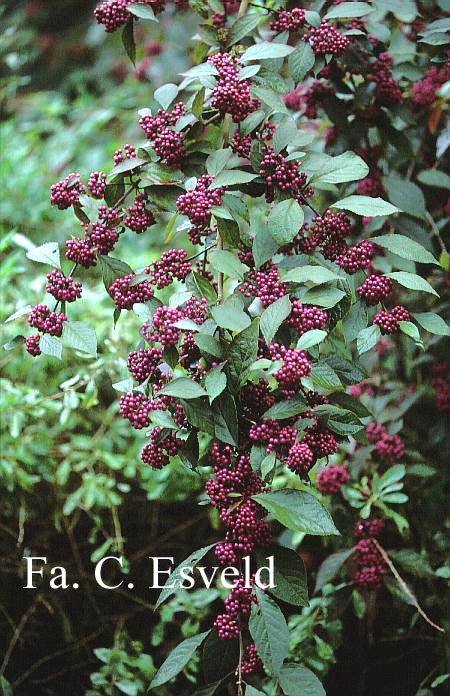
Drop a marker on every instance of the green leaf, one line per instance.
(311, 338)
(439, 680)
(266, 50)
(313, 274)
(366, 205)
(204, 287)
(46, 253)
(127, 687)
(412, 562)
(287, 409)
(337, 170)
(406, 194)
(405, 247)
(295, 680)
(166, 94)
(231, 315)
(128, 41)
(243, 26)
(411, 330)
(143, 12)
(273, 316)
(412, 282)
(225, 419)
(127, 166)
(218, 161)
(349, 9)
(232, 177)
(272, 100)
(209, 345)
(50, 345)
(220, 657)
(252, 121)
(20, 313)
(269, 631)
(325, 377)
(301, 61)
(80, 336)
(264, 247)
(215, 383)
(432, 323)
(330, 567)
(183, 388)
(285, 220)
(5, 687)
(199, 414)
(228, 263)
(434, 177)
(289, 575)
(111, 269)
(175, 577)
(299, 511)
(241, 355)
(367, 338)
(178, 659)
(284, 135)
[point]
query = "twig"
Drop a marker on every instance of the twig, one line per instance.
(20, 626)
(117, 529)
(239, 669)
(435, 231)
(405, 587)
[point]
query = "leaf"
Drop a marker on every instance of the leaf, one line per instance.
(273, 316)
(285, 220)
(112, 268)
(225, 419)
(434, 177)
(199, 414)
(412, 562)
(337, 170)
(252, 121)
(166, 94)
(175, 576)
(127, 166)
(209, 345)
(218, 161)
(311, 338)
(80, 336)
(287, 409)
(411, 330)
(20, 313)
(243, 26)
(299, 511)
(241, 354)
(178, 659)
(272, 100)
(366, 206)
(289, 575)
(349, 9)
(215, 383)
(330, 567)
(325, 377)
(128, 41)
(231, 315)
(412, 282)
(228, 263)
(367, 338)
(405, 247)
(313, 274)
(143, 12)
(301, 61)
(432, 323)
(183, 388)
(220, 657)
(284, 135)
(266, 50)
(232, 177)
(264, 247)
(405, 193)
(204, 287)
(269, 631)
(46, 253)
(50, 345)
(295, 680)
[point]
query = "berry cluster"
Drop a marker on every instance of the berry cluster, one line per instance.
(67, 192)
(441, 385)
(288, 20)
(196, 204)
(123, 153)
(81, 252)
(97, 184)
(280, 174)
(303, 318)
(46, 320)
(166, 142)
(388, 447)
(327, 40)
(389, 321)
(125, 294)
(331, 479)
(162, 329)
(231, 95)
(295, 365)
(357, 258)
(264, 284)
(375, 289)
(329, 232)
(171, 265)
(62, 288)
(424, 91)
(156, 453)
(371, 566)
(101, 237)
(387, 91)
(138, 218)
(142, 363)
(112, 14)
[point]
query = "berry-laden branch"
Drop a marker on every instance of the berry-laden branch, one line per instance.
(257, 378)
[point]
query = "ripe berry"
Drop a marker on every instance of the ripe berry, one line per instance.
(46, 320)
(300, 458)
(62, 288)
(81, 252)
(126, 295)
(97, 184)
(67, 192)
(32, 344)
(375, 288)
(331, 479)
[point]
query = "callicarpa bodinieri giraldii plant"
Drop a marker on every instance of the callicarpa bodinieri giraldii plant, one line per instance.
(294, 268)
